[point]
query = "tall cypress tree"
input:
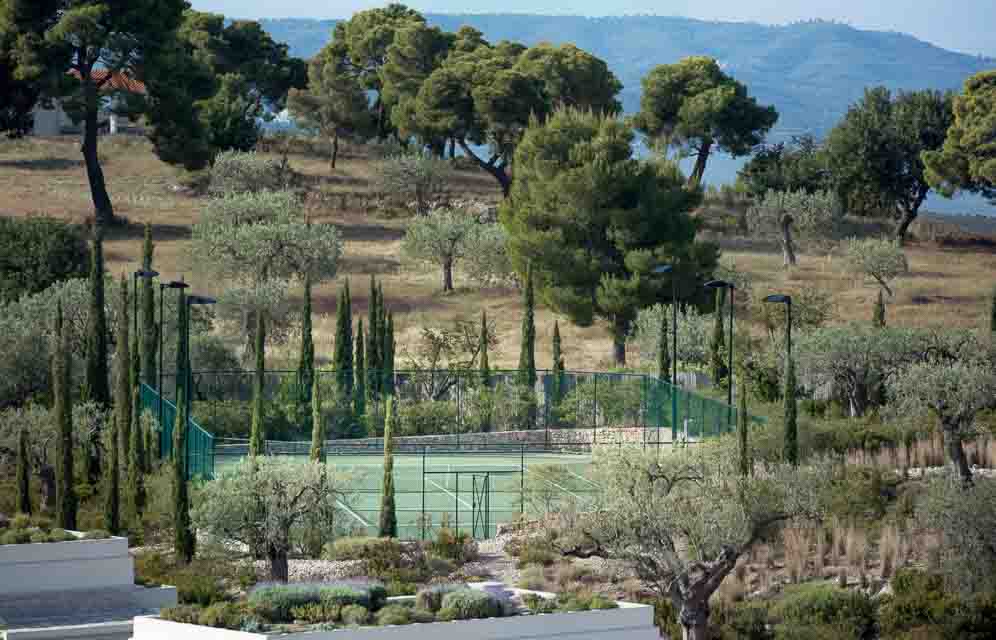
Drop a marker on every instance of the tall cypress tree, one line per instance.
(97, 382)
(791, 449)
(123, 370)
(136, 463)
(388, 516)
(663, 352)
(150, 332)
(359, 389)
(112, 480)
(718, 344)
(527, 354)
(65, 491)
(23, 473)
(484, 368)
(317, 452)
(343, 358)
(878, 317)
(183, 541)
(374, 340)
(257, 438)
(557, 384)
(743, 424)
(306, 364)
(387, 384)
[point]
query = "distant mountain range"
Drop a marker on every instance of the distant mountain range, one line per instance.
(810, 71)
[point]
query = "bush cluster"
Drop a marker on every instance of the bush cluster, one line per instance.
(38, 252)
(466, 604)
(241, 172)
(23, 529)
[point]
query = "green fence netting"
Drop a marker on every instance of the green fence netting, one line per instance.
(200, 443)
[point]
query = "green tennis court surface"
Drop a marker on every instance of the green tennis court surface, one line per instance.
(471, 492)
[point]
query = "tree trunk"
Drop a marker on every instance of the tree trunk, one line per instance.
(694, 618)
(498, 172)
(956, 454)
(452, 149)
(102, 209)
(788, 248)
(695, 180)
(620, 330)
(859, 400)
(46, 475)
(447, 275)
(335, 151)
(902, 227)
(278, 563)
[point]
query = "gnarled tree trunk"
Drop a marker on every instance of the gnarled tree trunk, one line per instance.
(335, 150)
(788, 247)
(447, 275)
(694, 619)
(956, 453)
(698, 172)
(277, 557)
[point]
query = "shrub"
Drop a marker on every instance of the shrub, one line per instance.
(151, 569)
(532, 577)
(16, 536)
(422, 616)
(354, 614)
(38, 536)
(457, 546)
(314, 613)
(583, 600)
(223, 615)
(393, 614)
(536, 551)
(44, 523)
(538, 604)
(441, 567)
(568, 572)
(20, 521)
(345, 595)
(242, 172)
(469, 604)
(741, 621)
(60, 535)
(37, 253)
(196, 588)
(275, 602)
(187, 614)
(431, 598)
(400, 588)
(665, 616)
(96, 534)
(427, 418)
(852, 612)
(921, 604)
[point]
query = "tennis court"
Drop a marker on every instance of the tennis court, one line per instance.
(473, 492)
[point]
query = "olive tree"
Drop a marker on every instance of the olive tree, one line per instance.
(684, 521)
(955, 392)
(693, 333)
(812, 215)
(877, 259)
(414, 180)
(855, 359)
(263, 501)
(442, 237)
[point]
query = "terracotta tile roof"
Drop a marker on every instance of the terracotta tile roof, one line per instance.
(118, 82)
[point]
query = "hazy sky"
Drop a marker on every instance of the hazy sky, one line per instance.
(962, 25)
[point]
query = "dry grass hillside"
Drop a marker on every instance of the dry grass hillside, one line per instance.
(949, 285)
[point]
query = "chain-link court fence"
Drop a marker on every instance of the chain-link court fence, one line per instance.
(467, 454)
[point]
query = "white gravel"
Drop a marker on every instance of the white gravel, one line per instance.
(315, 570)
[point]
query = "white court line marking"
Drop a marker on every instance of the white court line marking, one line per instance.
(353, 513)
(467, 504)
(565, 490)
(582, 478)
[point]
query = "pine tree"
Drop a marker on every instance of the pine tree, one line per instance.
(878, 319)
(359, 388)
(306, 364)
(112, 481)
(317, 453)
(123, 370)
(96, 346)
(743, 424)
(343, 358)
(136, 463)
(23, 473)
(527, 354)
(484, 368)
(718, 344)
(62, 411)
(791, 451)
(663, 353)
(388, 517)
(257, 438)
(150, 331)
(183, 541)
(388, 382)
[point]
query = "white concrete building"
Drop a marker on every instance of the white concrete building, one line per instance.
(55, 121)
